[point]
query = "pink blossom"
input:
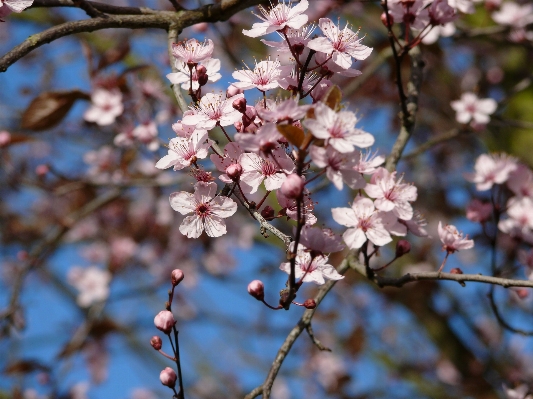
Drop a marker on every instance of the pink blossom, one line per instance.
(416, 225)
(329, 67)
(183, 130)
(264, 76)
(520, 181)
(183, 152)
(520, 221)
(338, 129)
(15, 5)
(514, 15)
(212, 66)
(433, 35)
(106, 106)
(465, 6)
(391, 195)
(168, 377)
(342, 45)
(368, 163)
(92, 284)
(208, 210)
(452, 239)
(279, 17)
(471, 108)
(520, 392)
(478, 211)
(365, 223)
(146, 133)
(440, 12)
(339, 167)
(320, 240)
(298, 39)
(5, 138)
(285, 111)
(315, 269)
(213, 110)
(192, 51)
(257, 168)
(293, 186)
(491, 169)
(256, 289)
(412, 13)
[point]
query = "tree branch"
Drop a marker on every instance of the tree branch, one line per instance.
(302, 325)
(102, 7)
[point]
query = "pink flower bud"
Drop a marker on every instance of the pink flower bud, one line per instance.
(522, 293)
(156, 342)
(293, 186)
(240, 105)
(201, 70)
(202, 80)
(233, 91)
(234, 171)
(310, 304)
(164, 321)
(5, 138)
(42, 170)
(176, 277)
(402, 247)
(168, 377)
(386, 22)
(201, 27)
(257, 289)
(268, 213)
(456, 270)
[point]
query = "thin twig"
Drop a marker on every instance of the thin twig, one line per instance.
(315, 340)
(89, 9)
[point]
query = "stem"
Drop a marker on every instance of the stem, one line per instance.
(178, 363)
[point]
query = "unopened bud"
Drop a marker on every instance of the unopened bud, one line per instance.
(240, 105)
(42, 170)
(456, 270)
(257, 289)
(168, 377)
(522, 293)
(402, 247)
(201, 70)
(164, 321)
(310, 304)
(176, 277)
(234, 171)
(293, 186)
(387, 22)
(298, 48)
(202, 80)
(5, 138)
(268, 213)
(233, 91)
(156, 342)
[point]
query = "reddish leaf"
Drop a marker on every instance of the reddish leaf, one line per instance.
(293, 134)
(48, 109)
(333, 97)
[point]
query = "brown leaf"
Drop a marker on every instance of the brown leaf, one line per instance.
(293, 134)
(49, 108)
(333, 97)
(25, 367)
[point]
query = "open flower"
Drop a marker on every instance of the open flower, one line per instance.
(341, 44)
(192, 51)
(314, 269)
(279, 17)
(263, 77)
(92, 284)
(491, 169)
(182, 152)
(105, 107)
(208, 210)
(452, 239)
(213, 109)
(212, 66)
(471, 108)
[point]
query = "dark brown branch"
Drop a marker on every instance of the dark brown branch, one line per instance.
(102, 7)
(153, 19)
(89, 9)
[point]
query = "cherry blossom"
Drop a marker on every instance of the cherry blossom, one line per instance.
(312, 269)
(514, 15)
(342, 45)
(368, 162)
(365, 223)
(257, 168)
(212, 66)
(339, 167)
(14, 5)
(452, 239)
(285, 111)
(213, 110)
(412, 13)
(328, 67)
(208, 210)
(192, 51)
(290, 207)
(471, 108)
(416, 225)
(478, 211)
(146, 133)
(182, 152)
(491, 169)
(278, 17)
(520, 220)
(298, 39)
(92, 284)
(229, 163)
(440, 12)
(106, 106)
(338, 129)
(320, 240)
(520, 392)
(391, 195)
(520, 181)
(264, 76)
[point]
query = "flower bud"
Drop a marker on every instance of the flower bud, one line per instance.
(201, 70)
(156, 342)
(5, 138)
(522, 293)
(310, 304)
(240, 105)
(234, 171)
(257, 289)
(268, 213)
(402, 247)
(201, 27)
(233, 91)
(176, 277)
(168, 377)
(164, 321)
(42, 170)
(202, 80)
(293, 186)
(388, 23)
(456, 270)
(298, 48)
